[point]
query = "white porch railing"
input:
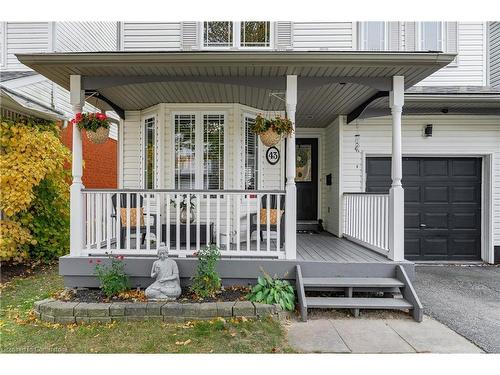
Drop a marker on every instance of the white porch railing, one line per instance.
(366, 220)
(231, 219)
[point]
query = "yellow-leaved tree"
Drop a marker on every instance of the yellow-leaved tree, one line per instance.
(34, 191)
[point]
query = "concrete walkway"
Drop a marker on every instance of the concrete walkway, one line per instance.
(376, 336)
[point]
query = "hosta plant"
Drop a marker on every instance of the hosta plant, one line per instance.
(272, 290)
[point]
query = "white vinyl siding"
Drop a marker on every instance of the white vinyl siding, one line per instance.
(331, 194)
(470, 68)
(454, 135)
(130, 162)
(323, 35)
(152, 36)
(85, 36)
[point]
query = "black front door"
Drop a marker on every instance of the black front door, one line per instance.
(306, 178)
(442, 205)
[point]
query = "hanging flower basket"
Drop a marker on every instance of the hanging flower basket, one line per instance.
(99, 136)
(271, 131)
(96, 126)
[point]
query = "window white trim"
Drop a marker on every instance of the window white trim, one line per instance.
(362, 40)
(236, 25)
(199, 139)
(3, 51)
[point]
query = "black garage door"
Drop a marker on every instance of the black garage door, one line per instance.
(442, 205)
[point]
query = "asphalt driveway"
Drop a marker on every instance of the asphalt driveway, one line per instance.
(465, 298)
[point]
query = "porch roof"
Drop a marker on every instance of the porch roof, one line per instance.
(329, 83)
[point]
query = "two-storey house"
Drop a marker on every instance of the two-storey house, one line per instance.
(395, 151)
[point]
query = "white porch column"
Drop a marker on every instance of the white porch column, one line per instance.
(77, 99)
(290, 188)
(396, 193)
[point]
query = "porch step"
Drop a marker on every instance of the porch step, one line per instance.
(307, 225)
(357, 303)
(351, 282)
(399, 283)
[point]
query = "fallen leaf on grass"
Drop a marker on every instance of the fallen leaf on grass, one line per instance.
(188, 341)
(233, 334)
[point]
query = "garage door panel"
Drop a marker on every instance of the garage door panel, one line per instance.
(412, 219)
(434, 167)
(463, 248)
(464, 168)
(435, 220)
(465, 220)
(437, 194)
(412, 194)
(445, 195)
(433, 246)
(465, 194)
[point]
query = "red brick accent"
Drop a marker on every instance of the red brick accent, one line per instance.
(100, 161)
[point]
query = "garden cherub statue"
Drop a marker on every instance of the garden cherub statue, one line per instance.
(167, 285)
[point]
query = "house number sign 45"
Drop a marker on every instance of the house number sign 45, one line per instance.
(272, 155)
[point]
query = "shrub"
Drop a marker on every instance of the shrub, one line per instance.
(112, 278)
(34, 190)
(273, 290)
(207, 282)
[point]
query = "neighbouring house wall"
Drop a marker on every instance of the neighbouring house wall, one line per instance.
(453, 135)
(494, 53)
(24, 37)
(470, 68)
(100, 161)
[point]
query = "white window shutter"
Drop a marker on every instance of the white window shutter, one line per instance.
(394, 36)
(452, 39)
(410, 33)
(284, 35)
(189, 36)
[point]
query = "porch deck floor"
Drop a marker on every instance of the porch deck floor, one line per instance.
(324, 247)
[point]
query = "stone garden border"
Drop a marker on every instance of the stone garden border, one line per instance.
(54, 311)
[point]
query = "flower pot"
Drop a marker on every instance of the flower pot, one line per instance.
(270, 138)
(183, 216)
(99, 136)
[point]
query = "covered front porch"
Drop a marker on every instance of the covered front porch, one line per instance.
(172, 92)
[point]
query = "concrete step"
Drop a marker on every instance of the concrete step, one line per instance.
(357, 303)
(351, 282)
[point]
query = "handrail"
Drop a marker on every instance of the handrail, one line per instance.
(363, 193)
(187, 191)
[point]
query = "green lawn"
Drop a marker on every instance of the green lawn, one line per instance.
(21, 333)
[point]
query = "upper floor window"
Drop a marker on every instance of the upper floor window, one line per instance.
(431, 36)
(373, 36)
(247, 34)
(218, 34)
(255, 34)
